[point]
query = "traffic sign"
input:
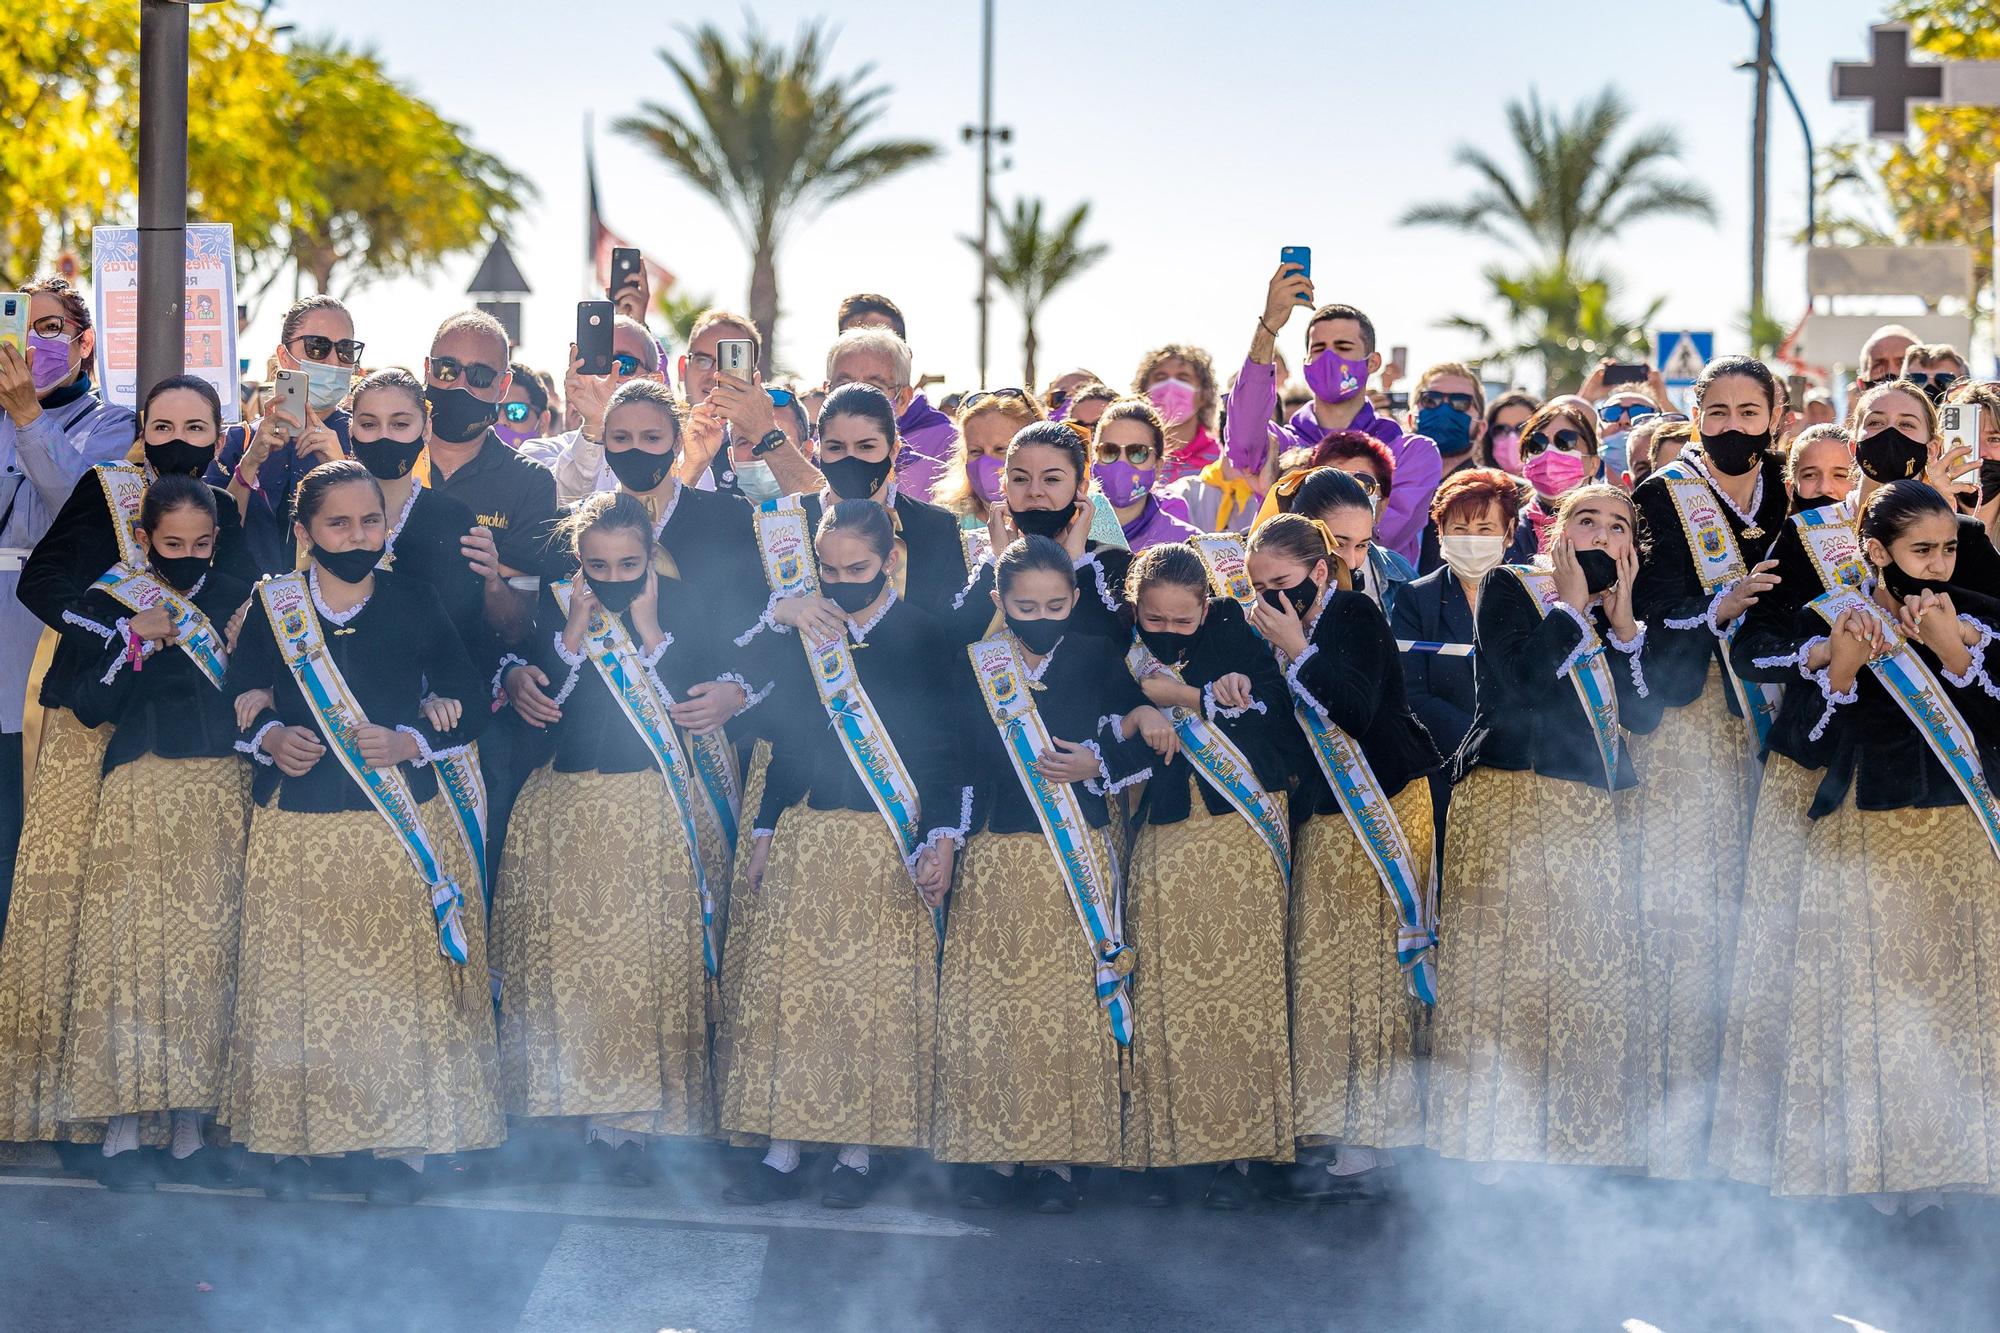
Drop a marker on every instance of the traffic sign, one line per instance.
(1680, 356)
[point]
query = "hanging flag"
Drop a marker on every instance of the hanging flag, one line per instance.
(600, 240)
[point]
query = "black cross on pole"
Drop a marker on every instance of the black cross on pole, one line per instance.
(1889, 82)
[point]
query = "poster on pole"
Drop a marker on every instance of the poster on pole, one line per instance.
(210, 311)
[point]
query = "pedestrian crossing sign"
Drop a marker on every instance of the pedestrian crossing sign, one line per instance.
(1680, 356)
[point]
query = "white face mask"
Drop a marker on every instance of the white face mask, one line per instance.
(326, 384)
(1472, 558)
(757, 482)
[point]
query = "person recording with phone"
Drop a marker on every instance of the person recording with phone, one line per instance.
(1624, 395)
(727, 422)
(1340, 356)
(1985, 503)
(260, 462)
(53, 428)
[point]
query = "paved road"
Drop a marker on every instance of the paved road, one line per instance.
(1585, 1254)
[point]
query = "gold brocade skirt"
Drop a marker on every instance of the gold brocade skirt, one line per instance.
(1745, 1129)
(1891, 1069)
(352, 1031)
(155, 973)
(1539, 1024)
(598, 937)
(1354, 1063)
(1690, 830)
(37, 956)
(834, 1027)
(1027, 1066)
(1211, 1066)
(738, 911)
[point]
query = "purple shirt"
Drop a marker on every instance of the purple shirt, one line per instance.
(1419, 468)
(929, 441)
(1155, 527)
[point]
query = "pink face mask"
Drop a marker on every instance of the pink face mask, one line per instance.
(1335, 379)
(1174, 398)
(984, 472)
(1553, 472)
(1507, 451)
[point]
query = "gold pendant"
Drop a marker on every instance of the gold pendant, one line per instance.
(1753, 532)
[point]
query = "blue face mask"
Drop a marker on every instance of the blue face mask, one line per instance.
(1615, 456)
(1449, 427)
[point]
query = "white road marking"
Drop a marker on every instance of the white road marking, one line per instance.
(616, 1202)
(599, 1277)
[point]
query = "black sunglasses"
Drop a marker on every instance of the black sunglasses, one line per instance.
(981, 395)
(1937, 379)
(447, 370)
(318, 346)
(1562, 439)
(1458, 402)
(1630, 413)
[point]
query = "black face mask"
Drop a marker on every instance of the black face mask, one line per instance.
(1735, 452)
(616, 595)
(638, 471)
(1890, 455)
(855, 478)
(1042, 522)
(1600, 571)
(456, 416)
(179, 456)
(1805, 503)
(347, 566)
(1168, 645)
(1301, 595)
(387, 458)
(1989, 480)
(1037, 636)
(851, 597)
(1901, 585)
(182, 571)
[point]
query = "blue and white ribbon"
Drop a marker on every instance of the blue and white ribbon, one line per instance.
(1718, 564)
(140, 590)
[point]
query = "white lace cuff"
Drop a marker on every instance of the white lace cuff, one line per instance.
(1634, 657)
(498, 691)
(1706, 620)
(957, 833)
(1833, 701)
(1791, 659)
(1129, 780)
(652, 659)
(763, 832)
(958, 602)
(766, 621)
(1103, 592)
(574, 661)
(104, 632)
(751, 698)
(1975, 674)
(425, 754)
(1292, 676)
(123, 630)
(1211, 710)
(1585, 647)
(569, 658)
(254, 747)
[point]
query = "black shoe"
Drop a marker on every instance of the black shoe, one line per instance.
(1228, 1192)
(1050, 1193)
(392, 1182)
(208, 1168)
(631, 1166)
(763, 1183)
(133, 1172)
(847, 1188)
(595, 1164)
(978, 1187)
(289, 1180)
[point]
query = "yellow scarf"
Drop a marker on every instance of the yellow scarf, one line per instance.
(1236, 492)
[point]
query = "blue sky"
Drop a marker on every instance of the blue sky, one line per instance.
(1206, 137)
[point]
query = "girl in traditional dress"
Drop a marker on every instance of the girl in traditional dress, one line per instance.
(1212, 1078)
(603, 927)
(1707, 523)
(1881, 1080)
(1032, 1020)
(832, 1028)
(1539, 1023)
(1361, 914)
(162, 883)
(180, 421)
(363, 1016)
(1047, 486)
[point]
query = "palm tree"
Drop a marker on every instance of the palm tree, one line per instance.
(1559, 320)
(1031, 263)
(1578, 187)
(773, 137)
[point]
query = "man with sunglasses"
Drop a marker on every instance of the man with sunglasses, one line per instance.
(260, 462)
(524, 412)
(1448, 407)
(1882, 355)
(1936, 368)
(53, 428)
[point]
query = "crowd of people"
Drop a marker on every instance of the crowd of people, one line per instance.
(1227, 786)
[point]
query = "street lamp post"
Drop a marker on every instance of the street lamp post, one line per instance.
(1805, 130)
(985, 132)
(163, 81)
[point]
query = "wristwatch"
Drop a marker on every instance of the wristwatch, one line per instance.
(772, 439)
